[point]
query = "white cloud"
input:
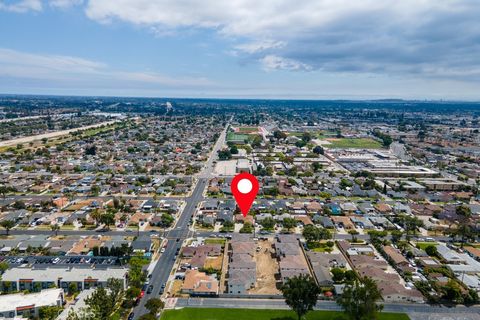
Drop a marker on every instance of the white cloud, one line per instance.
(260, 46)
(272, 62)
(408, 37)
(73, 70)
(21, 6)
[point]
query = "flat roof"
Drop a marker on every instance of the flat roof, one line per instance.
(66, 274)
(47, 297)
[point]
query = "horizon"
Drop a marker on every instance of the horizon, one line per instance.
(385, 100)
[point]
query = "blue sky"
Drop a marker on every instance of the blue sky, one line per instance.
(320, 49)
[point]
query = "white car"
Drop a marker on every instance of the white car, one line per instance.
(162, 250)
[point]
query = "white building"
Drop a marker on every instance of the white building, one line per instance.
(24, 305)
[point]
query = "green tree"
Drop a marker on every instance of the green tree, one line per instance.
(431, 250)
(338, 274)
(247, 228)
(268, 223)
(359, 300)
(154, 305)
(107, 219)
(7, 225)
(3, 191)
(166, 220)
(318, 150)
(49, 312)
(301, 294)
(464, 214)
(95, 190)
(3, 266)
(396, 235)
(376, 235)
(102, 302)
(55, 227)
(289, 223)
(96, 215)
(279, 135)
(72, 288)
(313, 234)
(132, 293)
(452, 292)
(354, 234)
(227, 226)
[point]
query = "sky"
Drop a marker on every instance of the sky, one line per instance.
(307, 49)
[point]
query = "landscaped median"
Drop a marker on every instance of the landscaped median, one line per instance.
(255, 314)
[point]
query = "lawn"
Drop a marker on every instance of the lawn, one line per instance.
(254, 314)
(322, 249)
(423, 245)
(360, 143)
(215, 241)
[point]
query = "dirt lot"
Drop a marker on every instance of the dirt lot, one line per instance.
(267, 268)
(214, 262)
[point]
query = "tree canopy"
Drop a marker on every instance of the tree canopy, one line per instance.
(301, 294)
(359, 300)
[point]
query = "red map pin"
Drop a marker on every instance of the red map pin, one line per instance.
(244, 189)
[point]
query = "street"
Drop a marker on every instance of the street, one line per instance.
(177, 235)
(321, 305)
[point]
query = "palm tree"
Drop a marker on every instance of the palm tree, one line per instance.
(354, 234)
(55, 227)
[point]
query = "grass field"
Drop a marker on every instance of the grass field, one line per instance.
(251, 314)
(231, 136)
(360, 143)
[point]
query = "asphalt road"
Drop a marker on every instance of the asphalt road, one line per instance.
(175, 238)
(177, 235)
(173, 232)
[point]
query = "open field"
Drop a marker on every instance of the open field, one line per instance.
(251, 314)
(360, 143)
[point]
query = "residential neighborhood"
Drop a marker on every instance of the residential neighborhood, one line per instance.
(141, 208)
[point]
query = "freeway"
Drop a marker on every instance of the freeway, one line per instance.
(50, 135)
(179, 234)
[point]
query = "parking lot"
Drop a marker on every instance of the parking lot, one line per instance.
(60, 260)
